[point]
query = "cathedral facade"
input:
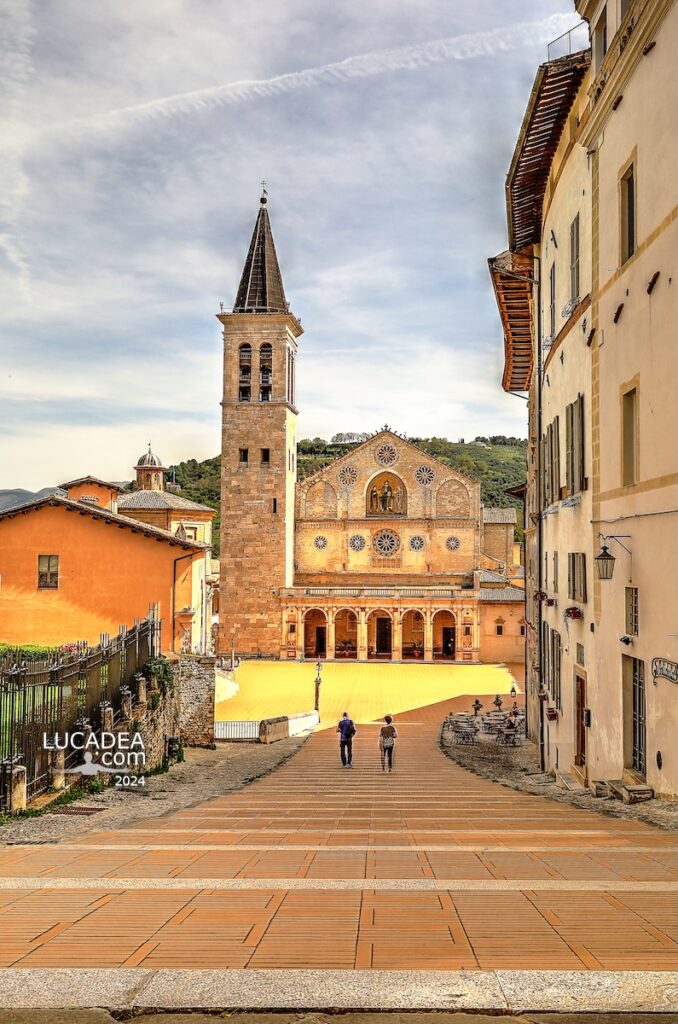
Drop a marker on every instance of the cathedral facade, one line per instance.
(386, 554)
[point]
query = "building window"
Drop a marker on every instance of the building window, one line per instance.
(265, 373)
(625, 4)
(555, 571)
(628, 214)
(48, 572)
(599, 37)
(552, 299)
(576, 576)
(499, 627)
(550, 464)
(575, 480)
(191, 532)
(243, 456)
(466, 629)
(522, 629)
(574, 259)
(581, 654)
(245, 373)
(275, 506)
(630, 437)
(546, 570)
(632, 611)
(265, 456)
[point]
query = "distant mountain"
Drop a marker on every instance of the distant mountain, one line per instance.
(11, 496)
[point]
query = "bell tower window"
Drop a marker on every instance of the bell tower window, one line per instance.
(265, 373)
(245, 373)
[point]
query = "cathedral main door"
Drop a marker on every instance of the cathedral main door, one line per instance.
(383, 637)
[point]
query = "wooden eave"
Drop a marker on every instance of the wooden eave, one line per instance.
(511, 275)
(553, 94)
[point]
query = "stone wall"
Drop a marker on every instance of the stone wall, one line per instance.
(196, 682)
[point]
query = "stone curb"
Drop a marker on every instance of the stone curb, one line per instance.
(515, 991)
(381, 884)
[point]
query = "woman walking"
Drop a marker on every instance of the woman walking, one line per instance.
(387, 737)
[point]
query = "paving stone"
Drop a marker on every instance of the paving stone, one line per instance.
(57, 1017)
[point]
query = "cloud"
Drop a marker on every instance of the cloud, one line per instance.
(403, 58)
(16, 40)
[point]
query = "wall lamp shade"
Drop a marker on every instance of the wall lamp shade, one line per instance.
(513, 692)
(605, 564)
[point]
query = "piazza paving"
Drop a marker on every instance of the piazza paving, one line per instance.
(429, 868)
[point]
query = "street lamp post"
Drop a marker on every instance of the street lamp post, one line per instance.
(318, 681)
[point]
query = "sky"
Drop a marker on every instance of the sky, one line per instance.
(135, 137)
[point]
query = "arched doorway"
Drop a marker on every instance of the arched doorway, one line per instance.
(346, 634)
(444, 636)
(413, 636)
(379, 635)
(315, 634)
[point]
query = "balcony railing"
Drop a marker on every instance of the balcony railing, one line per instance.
(572, 41)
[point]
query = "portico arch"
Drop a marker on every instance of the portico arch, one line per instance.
(444, 636)
(346, 634)
(315, 633)
(413, 635)
(380, 635)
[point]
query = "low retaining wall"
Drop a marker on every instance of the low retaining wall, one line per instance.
(266, 730)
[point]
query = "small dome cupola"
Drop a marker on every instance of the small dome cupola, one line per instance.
(150, 472)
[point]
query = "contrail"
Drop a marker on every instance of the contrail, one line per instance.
(16, 41)
(404, 58)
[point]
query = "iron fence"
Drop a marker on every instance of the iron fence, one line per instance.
(63, 690)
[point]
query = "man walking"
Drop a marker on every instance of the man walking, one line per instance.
(346, 730)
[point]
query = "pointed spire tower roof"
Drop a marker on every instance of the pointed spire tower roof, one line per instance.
(261, 287)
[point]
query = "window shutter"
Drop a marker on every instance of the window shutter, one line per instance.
(569, 448)
(579, 453)
(556, 457)
(582, 578)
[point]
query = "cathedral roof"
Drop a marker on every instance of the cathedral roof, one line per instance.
(386, 434)
(261, 287)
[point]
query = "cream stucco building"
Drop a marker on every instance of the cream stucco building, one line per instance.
(587, 299)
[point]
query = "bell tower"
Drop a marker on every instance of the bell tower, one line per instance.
(258, 452)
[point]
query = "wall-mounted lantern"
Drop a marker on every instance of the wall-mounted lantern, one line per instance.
(604, 564)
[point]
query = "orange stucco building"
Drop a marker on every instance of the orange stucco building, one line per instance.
(71, 570)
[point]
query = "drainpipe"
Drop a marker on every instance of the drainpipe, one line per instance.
(174, 593)
(540, 520)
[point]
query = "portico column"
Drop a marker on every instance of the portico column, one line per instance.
(283, 633)
(362, 635)
(330, 633)
(428, 635)
(476, 635)
(397, 637)
(300, 634)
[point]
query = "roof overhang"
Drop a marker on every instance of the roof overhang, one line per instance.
(551, 99)
(511, 274)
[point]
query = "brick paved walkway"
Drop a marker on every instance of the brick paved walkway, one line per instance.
(318, 867)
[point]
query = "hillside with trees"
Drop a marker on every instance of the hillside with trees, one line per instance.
(496, 461)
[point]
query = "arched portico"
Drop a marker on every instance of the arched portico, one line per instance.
(315, 633)
(346, 634)
(413, 624)
(379, 635)
(444, 636)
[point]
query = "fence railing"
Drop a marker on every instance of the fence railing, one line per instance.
(63, 690)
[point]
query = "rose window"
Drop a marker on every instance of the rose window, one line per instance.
(320, 543)
(356, 542)
(417, 543)
(348, 476)
(386, 543)
(452, 543)
(424, 476)
(386, 454)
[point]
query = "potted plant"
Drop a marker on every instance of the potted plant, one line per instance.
(574, 613)
(552, 714)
